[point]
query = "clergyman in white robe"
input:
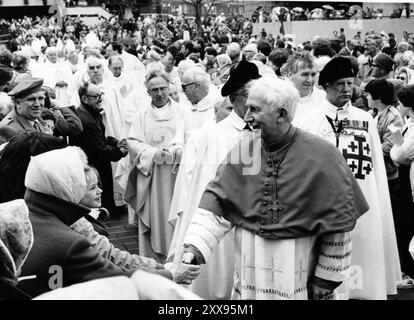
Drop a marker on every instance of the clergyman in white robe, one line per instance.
(216, 278)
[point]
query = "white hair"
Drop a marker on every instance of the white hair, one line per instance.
(93, 59)
(70, 53)
(250, 47)
(154, 73)
(51, 50)
(233, 50)
(407, 57)
(198, 75)
(184, 65)
(276, 93)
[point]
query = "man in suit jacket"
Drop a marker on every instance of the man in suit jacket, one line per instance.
(99, 148)
(29, 100)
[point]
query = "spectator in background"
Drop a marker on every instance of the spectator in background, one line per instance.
(382, 67)
(249, 51)
(264, 47)
(404, 74)
(322, 50)
(100, 148)
(21, 64)
(29, 100)
(233, 51)
(402, 154)
(276, 60)
(223, 65)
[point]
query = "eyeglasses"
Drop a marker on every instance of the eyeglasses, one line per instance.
(98, 97)
(186, 85)
(95, 67)
(155, 90)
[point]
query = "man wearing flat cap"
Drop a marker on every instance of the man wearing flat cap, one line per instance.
(382, 67)
(29, 99)
(354, 132)
(212, 145)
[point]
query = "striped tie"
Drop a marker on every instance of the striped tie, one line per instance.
(36, 126)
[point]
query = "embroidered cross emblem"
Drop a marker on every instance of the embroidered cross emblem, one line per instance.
(301, 270)
(358, 156)
(272, 269)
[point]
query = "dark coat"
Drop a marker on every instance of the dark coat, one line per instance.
(56, 244)
(9, 292)
(101, 150)
(69, 123)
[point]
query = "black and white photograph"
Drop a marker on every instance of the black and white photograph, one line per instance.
(217, 152)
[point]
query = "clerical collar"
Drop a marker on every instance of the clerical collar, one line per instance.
(236, 121)
(307, 97)
(273, 146)
(167, 104)
(204, 104)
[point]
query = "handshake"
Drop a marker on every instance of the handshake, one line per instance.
(123, 147)
(167, 156)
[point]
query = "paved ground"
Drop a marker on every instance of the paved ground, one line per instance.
(124, 236)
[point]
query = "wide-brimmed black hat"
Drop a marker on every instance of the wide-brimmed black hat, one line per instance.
(241, 74)
(337, 68)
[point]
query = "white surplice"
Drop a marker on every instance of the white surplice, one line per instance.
(52, 73)
(199, 113)
(374, 258)
(267, 269)
(151, 185)
(198, 119)
(124, 83)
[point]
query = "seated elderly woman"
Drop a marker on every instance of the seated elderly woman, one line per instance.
(57, 187)
(16, 241)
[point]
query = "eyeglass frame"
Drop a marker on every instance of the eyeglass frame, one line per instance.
(98, 97)
(184, 86)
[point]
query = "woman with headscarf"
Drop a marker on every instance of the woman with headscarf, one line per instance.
(16, 241)
(223, 64)
(405, 75)
(56, 184)
(56, 188)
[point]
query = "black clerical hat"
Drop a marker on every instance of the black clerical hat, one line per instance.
(337, 68)
(239, 76)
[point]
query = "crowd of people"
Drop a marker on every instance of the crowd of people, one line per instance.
(325, 13)
(254, 167)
